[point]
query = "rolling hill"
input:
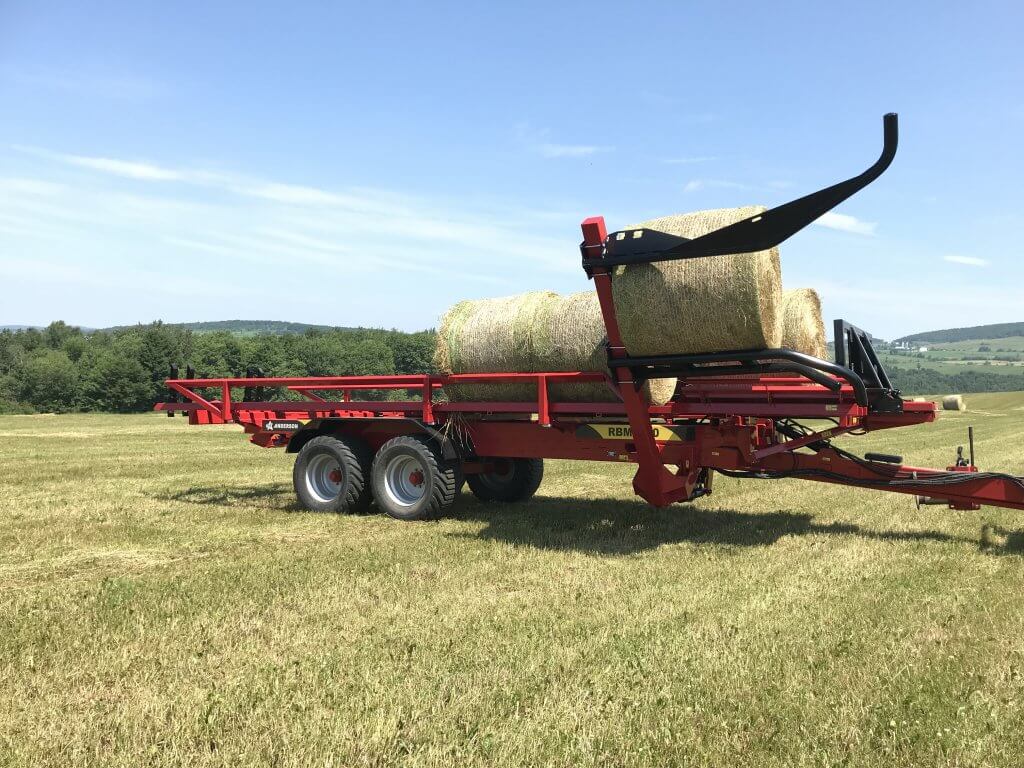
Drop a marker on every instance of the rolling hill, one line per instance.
(994, 331)
(242, 327)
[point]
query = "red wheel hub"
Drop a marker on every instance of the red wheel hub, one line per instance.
(416, 478)
(335, 476)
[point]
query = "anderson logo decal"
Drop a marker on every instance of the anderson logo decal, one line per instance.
(662, 432)
(282, 425)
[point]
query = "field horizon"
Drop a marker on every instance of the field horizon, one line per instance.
(164, 601)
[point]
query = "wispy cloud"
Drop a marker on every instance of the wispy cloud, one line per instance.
(122, 214)
(846, 223)
(695, 185)
(30, 187)
(291, 194)
(127, 169)
(539, 141)
(570, 150)
(118, 87)
(971, 261)
(687, 160)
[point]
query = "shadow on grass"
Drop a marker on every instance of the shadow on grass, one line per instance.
(273, 495)
(617, 526)
(1013, 540)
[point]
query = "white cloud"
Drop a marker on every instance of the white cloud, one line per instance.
(687, 160)
(538, 141)
(213, 223)
(127, 169)
(105, 86)
(570, 150)
(971, 261)
(845, 223)
(30, 187)
(891, 312)
(292, 194)
(696, 185)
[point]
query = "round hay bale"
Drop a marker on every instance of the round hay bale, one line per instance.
(954, 403)
(531, 332)
(802, 327)
(716, 304)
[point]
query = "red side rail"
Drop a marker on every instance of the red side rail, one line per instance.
(222, 410)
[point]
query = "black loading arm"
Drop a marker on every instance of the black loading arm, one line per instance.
(757, 233)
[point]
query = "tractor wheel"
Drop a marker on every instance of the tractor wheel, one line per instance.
(412, 480)
(332, 474)
(512, 480)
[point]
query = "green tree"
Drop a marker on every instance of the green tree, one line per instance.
(370, 357)
(12, 353)
(413, 352)
(58, 332)
(117, 383)
(217, 354)
(322, 355)
(160, 347)
(48, 381)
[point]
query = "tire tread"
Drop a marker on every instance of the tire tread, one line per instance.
(356, 458)
(445, 474)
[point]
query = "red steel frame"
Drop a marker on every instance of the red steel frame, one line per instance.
(725, 423)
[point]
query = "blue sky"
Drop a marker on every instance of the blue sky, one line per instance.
(370, 164)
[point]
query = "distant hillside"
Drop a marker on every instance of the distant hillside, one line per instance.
(996, 331)
(243, 327)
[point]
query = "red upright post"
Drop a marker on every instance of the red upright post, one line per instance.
(225, 403)
(428, 399)
(652, 481)
(543, 411)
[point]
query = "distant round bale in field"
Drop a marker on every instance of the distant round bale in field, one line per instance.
(712, 304)
(530, 332)
(803, 330)
(954, 403)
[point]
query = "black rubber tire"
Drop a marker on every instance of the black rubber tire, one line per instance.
(440, 477)
(521, 480)
(354, 460)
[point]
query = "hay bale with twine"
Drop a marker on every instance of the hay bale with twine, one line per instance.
(688, 306)
(700, 305)
(954, 403)
(531, 332)
(803, 330)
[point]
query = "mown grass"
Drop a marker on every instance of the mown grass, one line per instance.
(162, 601)
(950, 364)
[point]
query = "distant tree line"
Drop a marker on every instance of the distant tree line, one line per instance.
(60, 368)
(994, 331)
(925, 381)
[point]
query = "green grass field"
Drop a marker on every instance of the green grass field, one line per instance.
(954, 357)
(163, 602)
(948, 365)
(1007, 344)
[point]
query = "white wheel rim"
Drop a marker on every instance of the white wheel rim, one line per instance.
(405, 480)
(324, 476)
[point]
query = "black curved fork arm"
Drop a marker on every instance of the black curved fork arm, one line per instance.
(757, 233)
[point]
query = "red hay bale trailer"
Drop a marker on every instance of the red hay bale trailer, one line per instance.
(736, 412)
